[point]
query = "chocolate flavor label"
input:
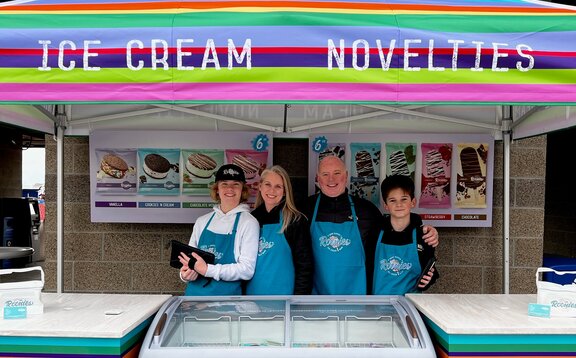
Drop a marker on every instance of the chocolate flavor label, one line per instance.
(469, 217)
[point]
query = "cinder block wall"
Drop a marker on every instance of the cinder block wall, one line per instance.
(133, 258)
(11, 169)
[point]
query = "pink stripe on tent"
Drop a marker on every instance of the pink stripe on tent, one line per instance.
(301, 92)
(517, 93)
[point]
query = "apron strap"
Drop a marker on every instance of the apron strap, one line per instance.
(235, 224)
(209, 220)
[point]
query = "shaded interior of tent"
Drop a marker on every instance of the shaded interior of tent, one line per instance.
(316, 67)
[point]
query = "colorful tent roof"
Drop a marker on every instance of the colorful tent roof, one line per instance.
(371, 51)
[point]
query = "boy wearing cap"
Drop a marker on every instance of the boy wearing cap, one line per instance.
(230, 232)
(401, 254)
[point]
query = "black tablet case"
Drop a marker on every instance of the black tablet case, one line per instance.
(178, 247)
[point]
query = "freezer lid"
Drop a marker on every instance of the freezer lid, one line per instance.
(288, 321)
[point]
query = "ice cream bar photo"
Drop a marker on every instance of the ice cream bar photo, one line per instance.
(364, 165)
(434, 166)
(471, 171)
(398, 163)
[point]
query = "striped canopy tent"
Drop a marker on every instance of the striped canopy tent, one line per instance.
(296, 51)
(405, 58)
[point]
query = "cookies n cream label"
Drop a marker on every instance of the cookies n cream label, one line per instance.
(158, 205)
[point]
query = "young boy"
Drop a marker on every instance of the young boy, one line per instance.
(401, 254)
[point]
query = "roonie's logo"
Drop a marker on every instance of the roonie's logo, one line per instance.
(563, 303)
(395, 265)
(334, 242)
(231, 172)
(19, 302)
(264, 245)
(212, 249)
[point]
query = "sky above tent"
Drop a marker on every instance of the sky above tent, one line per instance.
(371, 51)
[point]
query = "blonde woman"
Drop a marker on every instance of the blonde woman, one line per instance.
(284, 265)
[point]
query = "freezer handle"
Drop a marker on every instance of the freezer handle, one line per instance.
(160, 325)
(413, 330)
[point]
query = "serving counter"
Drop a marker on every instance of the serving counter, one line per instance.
(81, 325)
(477, 326)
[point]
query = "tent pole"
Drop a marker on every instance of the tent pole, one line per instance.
(507, 134)
(59, 129)
(284, 128)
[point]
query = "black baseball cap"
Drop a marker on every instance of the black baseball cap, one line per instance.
(230, 172)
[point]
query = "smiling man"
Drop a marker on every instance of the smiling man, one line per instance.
(344, 231)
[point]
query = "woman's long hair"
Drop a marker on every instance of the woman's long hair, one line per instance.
(289, 212)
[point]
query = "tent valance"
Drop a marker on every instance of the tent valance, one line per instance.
(371, 51)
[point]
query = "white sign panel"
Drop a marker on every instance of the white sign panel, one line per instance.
(453, 173)
(165, 176)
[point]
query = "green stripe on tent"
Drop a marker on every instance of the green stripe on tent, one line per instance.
(285, 74)
(448, 77)
(444, 22)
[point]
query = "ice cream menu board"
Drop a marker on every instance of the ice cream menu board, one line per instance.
(452, 173)
(165, 177)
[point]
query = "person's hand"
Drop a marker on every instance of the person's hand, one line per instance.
(426, 279)
(186, 272)
(200, 266)
(430, 235)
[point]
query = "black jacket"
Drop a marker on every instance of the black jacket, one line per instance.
(425, 251)
(298, 237)
(337, 210)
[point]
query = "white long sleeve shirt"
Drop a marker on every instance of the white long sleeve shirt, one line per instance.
(245, 243)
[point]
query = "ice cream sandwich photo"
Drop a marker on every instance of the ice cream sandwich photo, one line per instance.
(200, 165)
(156, 166)
(116, 170)
(159, 171)
(114, 166)
(252, 162)
(199, 168)
(248, 165)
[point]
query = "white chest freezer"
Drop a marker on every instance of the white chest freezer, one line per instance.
(287, 326)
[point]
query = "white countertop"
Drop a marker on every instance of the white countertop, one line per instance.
(83, 315)
(488, 314)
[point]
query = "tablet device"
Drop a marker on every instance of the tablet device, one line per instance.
(178, 247)
(425, 270)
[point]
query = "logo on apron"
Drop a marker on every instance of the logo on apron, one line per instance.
(395, 266)
(212, 249)
(334, 242)
(264, 246)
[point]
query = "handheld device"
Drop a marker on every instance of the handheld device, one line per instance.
(429, 265)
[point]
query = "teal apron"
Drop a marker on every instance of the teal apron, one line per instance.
(274, 273)
(221, 245)
(339, 262)
(396, 268)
